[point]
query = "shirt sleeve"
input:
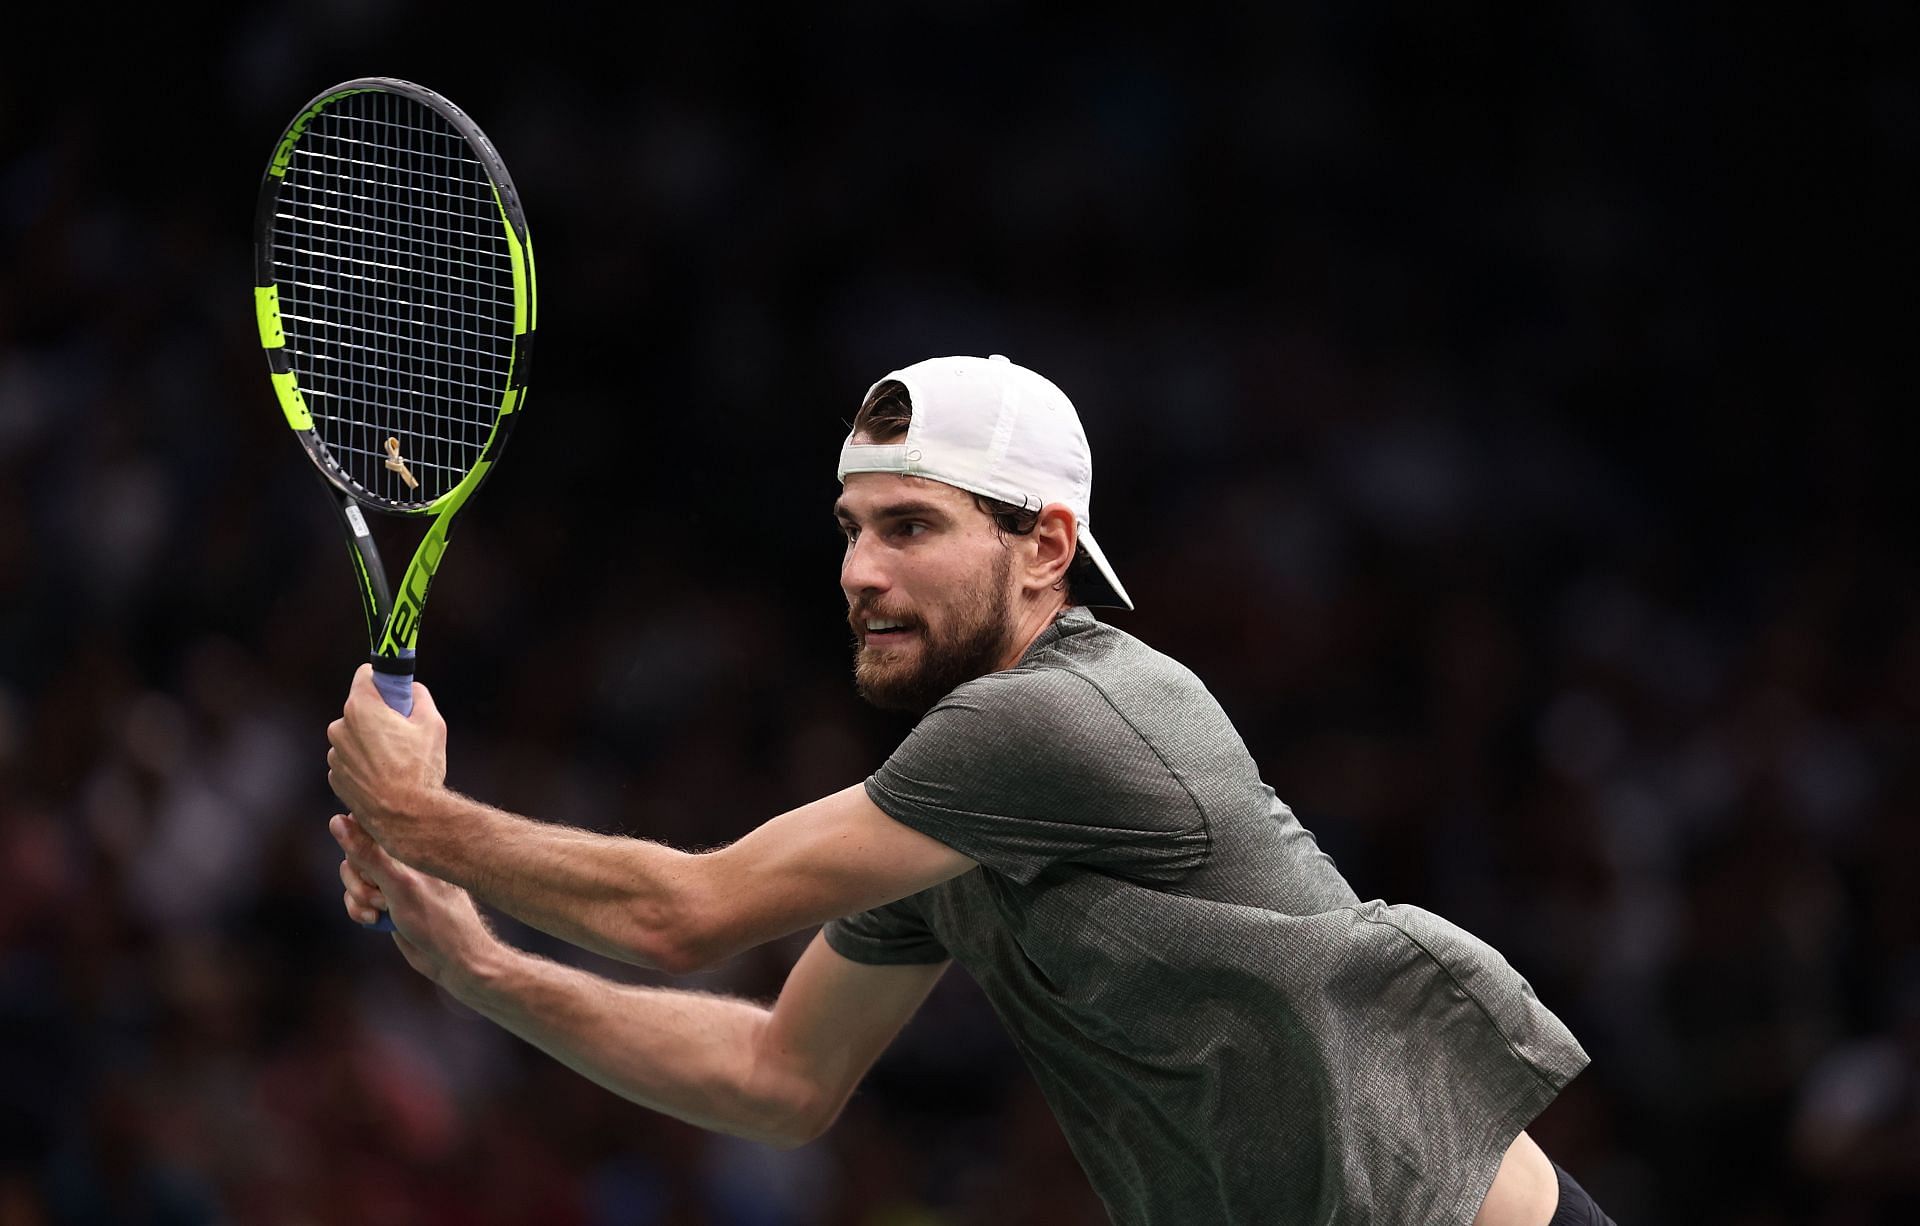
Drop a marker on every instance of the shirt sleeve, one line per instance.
(893, 935)
(1020, 770)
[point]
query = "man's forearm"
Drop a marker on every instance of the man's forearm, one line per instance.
(697, 1057)
(625, 898)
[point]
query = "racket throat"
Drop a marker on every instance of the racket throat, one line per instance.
(400, 632)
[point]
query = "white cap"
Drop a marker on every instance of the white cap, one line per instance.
(994, 428)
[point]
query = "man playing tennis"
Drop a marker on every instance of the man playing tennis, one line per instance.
(1227, 1033)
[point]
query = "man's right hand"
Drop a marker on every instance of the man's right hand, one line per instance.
(437, 927)
(388, 769)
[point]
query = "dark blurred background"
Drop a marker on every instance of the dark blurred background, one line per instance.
(1499, 410)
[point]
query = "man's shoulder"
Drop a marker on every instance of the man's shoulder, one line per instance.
(1034, 691)
(1094, 671)
(1055, 759)
(1116, 663)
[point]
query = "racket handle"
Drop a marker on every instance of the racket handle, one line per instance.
(397, 690)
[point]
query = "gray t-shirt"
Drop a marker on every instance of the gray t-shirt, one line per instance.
(1226, 1032)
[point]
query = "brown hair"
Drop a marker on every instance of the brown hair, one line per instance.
(884, 416)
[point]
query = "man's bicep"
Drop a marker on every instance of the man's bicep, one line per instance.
(835, 1016)
(837, 856)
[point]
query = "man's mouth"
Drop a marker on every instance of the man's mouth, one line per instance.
(881, 631)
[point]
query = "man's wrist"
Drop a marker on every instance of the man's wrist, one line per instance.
(487, 976)
(431, 831)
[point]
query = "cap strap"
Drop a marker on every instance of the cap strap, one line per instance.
(876, 458)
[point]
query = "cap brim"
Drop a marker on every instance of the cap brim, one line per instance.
(1102, 586)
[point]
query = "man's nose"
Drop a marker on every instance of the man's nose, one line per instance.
(860, 569)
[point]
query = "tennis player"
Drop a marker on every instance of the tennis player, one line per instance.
(1227, 1032)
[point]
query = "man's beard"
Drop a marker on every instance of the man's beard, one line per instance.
(970, 644)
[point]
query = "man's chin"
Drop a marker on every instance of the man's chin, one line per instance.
(917, 671)
(888, 685)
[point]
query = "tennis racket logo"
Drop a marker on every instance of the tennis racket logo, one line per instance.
(403, 623)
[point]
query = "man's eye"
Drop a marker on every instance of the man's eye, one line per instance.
(911, 527)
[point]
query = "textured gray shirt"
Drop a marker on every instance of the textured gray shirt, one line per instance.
(1226, 1032)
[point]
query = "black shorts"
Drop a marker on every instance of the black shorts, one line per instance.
(1576, 1207)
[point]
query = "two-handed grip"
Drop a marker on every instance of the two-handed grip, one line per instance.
(397, 690)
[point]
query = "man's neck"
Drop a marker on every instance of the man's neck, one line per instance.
(1030, 625)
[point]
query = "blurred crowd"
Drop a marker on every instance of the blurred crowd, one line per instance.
(1499, 420)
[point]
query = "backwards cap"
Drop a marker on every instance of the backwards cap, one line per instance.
(990, 427)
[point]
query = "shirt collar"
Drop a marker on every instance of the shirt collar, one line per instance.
(1072, 620)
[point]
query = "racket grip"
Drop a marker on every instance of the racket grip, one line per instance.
(397, 690)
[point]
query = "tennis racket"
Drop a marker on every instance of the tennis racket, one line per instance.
(394, 293)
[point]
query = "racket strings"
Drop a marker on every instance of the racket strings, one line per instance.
(371, 263)
(348, 365)
(397, 293)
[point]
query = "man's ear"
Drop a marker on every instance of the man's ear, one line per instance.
(1054, 538)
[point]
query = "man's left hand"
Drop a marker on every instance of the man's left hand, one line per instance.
(386, 767)
(435, 924)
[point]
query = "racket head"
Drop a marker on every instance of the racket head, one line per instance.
(394, 293)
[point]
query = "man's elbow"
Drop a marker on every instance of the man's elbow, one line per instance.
(677, 953)
(802, 1122)
(681, 935)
